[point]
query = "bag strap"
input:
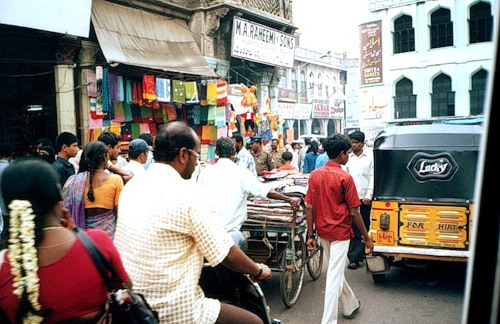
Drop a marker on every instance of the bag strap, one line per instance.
(102, 264)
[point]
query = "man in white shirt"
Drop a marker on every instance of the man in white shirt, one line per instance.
(227, 186)
(243, 157)
(138, 151)
(164, 242)
(303, 152)
(360, 166)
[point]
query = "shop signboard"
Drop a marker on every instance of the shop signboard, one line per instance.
(302, 111)
(262, 44)
(287, 95)
(286, 110)
(58, 16)
(320, 109)
(371, 53)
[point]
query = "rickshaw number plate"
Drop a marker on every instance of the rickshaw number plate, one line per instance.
(385, 237)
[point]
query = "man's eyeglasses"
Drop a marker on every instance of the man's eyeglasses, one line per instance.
(196, 154)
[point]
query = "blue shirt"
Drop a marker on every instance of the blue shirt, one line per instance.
(321, 160)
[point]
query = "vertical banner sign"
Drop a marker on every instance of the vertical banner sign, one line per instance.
(371, 53)
(321, 109)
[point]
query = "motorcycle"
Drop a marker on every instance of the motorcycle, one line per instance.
(235, 289)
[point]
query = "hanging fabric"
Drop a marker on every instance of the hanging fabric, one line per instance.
(148, 87)
(211, 94)
(162, 90)
(221, 92)
(191, 92)
(202, 94)
(178, 91)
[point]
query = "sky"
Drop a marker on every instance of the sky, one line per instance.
(329, 25)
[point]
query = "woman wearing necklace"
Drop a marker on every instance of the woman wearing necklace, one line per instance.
(46, 274)
(92, 194)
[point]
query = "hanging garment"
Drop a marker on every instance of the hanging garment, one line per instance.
(178, 91)
(163, 90)
(91, 85)
(202, 94)
(211, 94)
(148, 87)
(118, 112)
(191, 92)
(221, 92)
(220, 116)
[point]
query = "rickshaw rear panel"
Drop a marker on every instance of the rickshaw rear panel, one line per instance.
(424, 181)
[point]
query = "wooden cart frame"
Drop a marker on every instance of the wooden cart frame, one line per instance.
(281, 246)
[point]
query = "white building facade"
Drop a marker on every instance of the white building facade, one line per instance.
(424, 60)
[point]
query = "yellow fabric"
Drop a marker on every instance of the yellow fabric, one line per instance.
(106, 196)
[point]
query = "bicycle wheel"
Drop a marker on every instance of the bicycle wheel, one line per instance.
(293, 270)
(315, 262)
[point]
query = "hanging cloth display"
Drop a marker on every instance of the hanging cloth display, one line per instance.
(202, 94)
(97, 112)
(178, 91)
(221, 92)
(220, 116)
(148, 87)
(211, 94)
(91, 85)
(191, 92)
(162, 90)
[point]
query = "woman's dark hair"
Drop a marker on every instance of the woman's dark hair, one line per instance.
(313, 147)
(93, 155)
(46, 153)
(36, 181)
(170, 138)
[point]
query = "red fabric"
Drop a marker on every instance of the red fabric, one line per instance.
(148, 86)
(221, 93)
(71, 287)
(332, 192)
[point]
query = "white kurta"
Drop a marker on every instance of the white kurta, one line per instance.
(164, 232)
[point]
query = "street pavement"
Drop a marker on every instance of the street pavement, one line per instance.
(430, 295)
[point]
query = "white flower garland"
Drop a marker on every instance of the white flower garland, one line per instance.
(23, 256)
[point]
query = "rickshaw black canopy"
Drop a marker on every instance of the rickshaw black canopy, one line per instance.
(435, 162)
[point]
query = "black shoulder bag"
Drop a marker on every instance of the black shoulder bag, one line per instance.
(124, 305)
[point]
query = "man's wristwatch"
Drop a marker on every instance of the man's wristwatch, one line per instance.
(260, 272)
(313, 236)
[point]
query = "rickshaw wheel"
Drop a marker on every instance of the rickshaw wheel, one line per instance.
(315, 263)
(293, 265)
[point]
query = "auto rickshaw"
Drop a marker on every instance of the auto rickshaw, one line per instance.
(423, 201)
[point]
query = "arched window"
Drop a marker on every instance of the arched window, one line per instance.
(441, 28)
(303, 85)
(405, 102)
(443, 99)
(284, 80)
(327, 87)
(311, 84)
(480, 23)
(320, 85)
(294, 80)
(404, 35)
(478, 92)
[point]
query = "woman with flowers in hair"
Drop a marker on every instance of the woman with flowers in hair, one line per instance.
(46, 274)
(92, 194)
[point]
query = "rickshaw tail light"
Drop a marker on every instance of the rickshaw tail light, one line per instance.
(385, 221)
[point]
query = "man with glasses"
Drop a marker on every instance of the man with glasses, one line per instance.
(164, 243)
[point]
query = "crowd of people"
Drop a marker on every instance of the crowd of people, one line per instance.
(157, 229)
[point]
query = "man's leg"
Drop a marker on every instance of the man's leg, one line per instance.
(336, 254)
(231, 314)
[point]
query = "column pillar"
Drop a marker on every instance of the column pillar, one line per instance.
(65, 98)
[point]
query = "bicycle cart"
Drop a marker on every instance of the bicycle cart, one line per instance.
(276, 238)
